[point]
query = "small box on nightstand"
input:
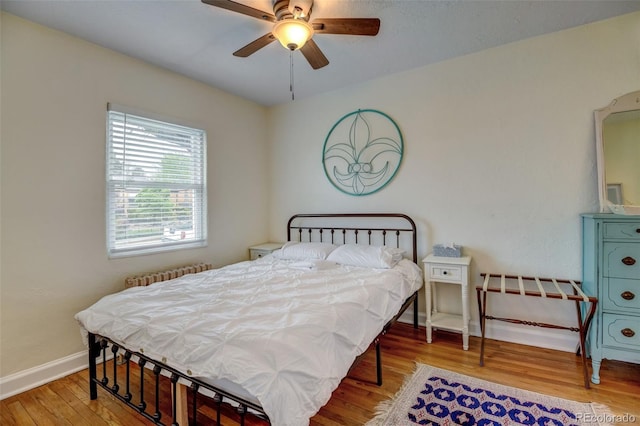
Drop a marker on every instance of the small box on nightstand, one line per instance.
(451, 250)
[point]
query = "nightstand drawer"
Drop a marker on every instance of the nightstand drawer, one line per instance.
(622, 294)
(621, 260)
(257, 254)
(621, 331)
(445, 272)
(261, 250)
(624, 231)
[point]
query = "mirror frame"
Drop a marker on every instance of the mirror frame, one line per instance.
(628, 102)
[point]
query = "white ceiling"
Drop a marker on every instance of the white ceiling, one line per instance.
(197, 40)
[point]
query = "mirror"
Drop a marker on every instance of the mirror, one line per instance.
(618, 154)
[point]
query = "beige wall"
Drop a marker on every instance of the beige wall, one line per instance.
(55, 89)
(499, 154)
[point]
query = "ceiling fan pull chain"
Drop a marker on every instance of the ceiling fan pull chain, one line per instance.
(291, 75)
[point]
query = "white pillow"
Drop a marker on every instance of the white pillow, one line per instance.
(296, 250)
(366, 256)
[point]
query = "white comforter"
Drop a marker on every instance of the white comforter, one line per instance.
(287, 332)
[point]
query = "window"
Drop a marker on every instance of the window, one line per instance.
(156, 185)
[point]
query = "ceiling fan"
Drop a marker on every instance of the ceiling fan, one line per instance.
(293, 29)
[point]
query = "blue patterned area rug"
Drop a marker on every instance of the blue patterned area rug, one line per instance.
(432, 396)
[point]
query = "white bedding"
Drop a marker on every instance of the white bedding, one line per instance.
(285, 331)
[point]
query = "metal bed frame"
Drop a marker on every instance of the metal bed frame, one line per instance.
(308, 227)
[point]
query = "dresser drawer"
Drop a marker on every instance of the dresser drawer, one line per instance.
(621, 260)
(621, 331)
(621, 294)
(445, 272)
(623, 231)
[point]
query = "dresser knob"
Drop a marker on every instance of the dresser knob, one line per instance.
(444, 272)
(627, 332)
(629, 261)
(627, 295)
(638, 231)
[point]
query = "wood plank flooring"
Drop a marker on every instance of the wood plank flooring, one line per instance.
(66, 401)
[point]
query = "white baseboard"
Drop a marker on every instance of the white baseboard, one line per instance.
(22, 381)
(532, 336)
(548, 338)
(525, 335)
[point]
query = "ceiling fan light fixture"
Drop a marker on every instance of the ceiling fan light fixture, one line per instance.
(292, 33)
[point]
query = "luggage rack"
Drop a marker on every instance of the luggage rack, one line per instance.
(575, 294)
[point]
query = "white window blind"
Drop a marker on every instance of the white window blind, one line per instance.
(156, 185)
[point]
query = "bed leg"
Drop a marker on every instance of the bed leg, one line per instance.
(181, 416)
(415, 313)
(93, 387)
(378, 364)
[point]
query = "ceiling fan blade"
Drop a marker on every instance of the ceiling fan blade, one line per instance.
(241, 8)
(348, 26)
(314, 55)
(254, 46)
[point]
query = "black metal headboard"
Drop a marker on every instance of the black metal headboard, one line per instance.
(382, 229)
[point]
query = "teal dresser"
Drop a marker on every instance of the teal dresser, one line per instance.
(611, 272)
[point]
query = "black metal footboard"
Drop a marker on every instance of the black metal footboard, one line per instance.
(117, 381)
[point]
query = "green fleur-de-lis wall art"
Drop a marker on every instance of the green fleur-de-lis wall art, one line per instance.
(362, 152)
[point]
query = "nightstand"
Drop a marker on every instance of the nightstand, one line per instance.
(448, 270)
(257, 251)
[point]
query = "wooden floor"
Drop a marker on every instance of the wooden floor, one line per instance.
(66, 401)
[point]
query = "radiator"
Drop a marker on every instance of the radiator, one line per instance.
(169, 274)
